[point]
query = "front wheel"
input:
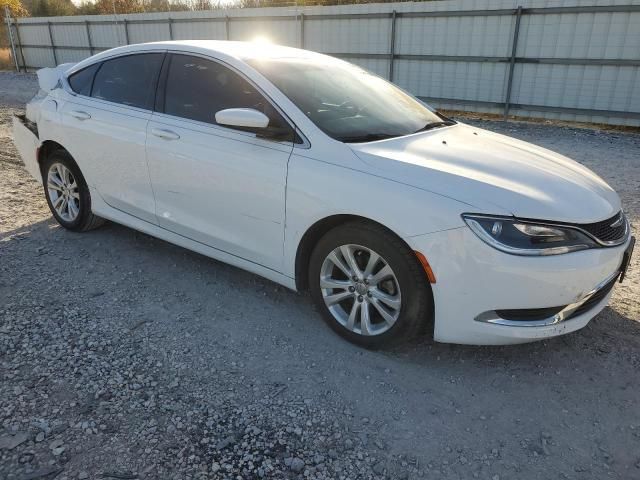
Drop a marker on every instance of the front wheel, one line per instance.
(369, 285)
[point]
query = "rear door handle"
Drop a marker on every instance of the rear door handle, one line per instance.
(79, 115)
(164, 133)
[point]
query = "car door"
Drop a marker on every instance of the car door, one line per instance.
(105, 123)
(221, 186)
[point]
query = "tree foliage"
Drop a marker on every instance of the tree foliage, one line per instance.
(49, 8)
(119, 6)
(139, 6)
(16, 8)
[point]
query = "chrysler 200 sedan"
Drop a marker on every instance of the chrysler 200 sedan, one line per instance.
(321, 176)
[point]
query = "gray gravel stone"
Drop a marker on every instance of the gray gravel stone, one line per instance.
(297, 464)
(11, 441)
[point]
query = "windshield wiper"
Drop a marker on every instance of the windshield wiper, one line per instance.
(369, 137)
(372, 137)
(432, 125)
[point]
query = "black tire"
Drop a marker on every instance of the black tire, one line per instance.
(416, 309)
(84, 220)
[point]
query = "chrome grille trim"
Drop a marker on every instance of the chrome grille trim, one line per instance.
(583, 227)
(592, 228)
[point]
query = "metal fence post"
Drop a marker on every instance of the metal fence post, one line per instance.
(24, 62)
(53, 46)
(511, 58)
(170, 23)
(88, 28)
(10, 34)
(512, 61)
(302, 30)
(126, 32)
(392, 45)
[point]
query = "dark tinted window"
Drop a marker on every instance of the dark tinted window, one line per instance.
(81, 81)
(128, 80)
(197, 88)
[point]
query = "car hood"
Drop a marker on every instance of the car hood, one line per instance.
(493, 173)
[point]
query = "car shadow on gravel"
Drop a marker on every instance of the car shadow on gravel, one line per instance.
(210, 325)
(608, 330)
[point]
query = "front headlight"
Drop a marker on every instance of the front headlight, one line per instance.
(520, 237)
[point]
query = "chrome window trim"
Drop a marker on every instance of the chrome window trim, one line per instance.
(306, 144)
(66, 86)
(215, 129)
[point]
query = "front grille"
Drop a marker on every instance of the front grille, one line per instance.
(594, 299)
(603, 230)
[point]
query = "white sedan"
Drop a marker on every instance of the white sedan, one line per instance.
(321, 176)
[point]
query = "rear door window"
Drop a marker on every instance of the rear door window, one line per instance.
(81, 81)
(129, 80)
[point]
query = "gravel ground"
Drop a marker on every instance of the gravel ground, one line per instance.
(122, 356)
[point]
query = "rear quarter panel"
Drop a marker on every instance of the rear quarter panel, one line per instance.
(51, 127)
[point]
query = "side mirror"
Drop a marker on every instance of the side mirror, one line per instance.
(242, 117)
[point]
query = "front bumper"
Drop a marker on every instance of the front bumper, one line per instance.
(474, 281)
(542, 317)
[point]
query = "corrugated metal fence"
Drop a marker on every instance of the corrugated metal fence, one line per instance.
(559, 59)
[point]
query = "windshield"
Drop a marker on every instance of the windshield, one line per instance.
(345, 101)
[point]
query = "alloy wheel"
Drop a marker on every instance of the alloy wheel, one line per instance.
(63, 192)
(360, 290)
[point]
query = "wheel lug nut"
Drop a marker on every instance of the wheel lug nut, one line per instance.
(360, 298)
(352, 289)
(354, 278)
(369, 294)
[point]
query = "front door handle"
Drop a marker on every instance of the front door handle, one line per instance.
(79, 115)
(164, 133)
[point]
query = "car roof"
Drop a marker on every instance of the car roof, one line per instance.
(241, 50)
(224, 49)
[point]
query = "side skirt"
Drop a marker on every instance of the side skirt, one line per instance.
(103, 210)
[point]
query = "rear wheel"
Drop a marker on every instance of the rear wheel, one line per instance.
(67, 193)
(369, 285)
